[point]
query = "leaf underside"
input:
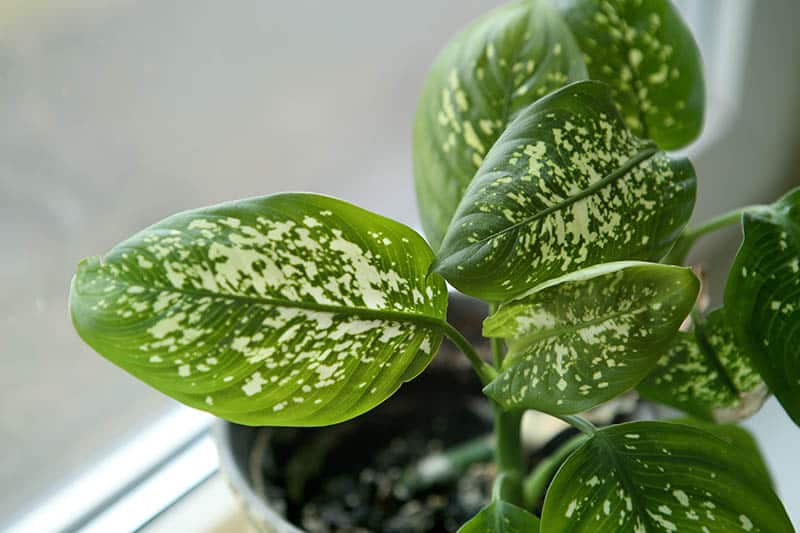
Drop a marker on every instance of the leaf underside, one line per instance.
(647, 55)
(501, 517)
(704, 373)
(580, 340)
(762, 297)
(504, 61)
(291, 309)
(565, 187)
(659, 476)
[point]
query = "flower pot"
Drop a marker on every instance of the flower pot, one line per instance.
(381, 471)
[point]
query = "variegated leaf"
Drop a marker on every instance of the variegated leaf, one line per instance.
(565, 187)
(648, 56)
(291, 309)
(762, 297)
(501, 517)
(706, 374)
(579, 340)
(477, 85)
(661, 476)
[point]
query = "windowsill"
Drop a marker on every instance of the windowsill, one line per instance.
(209, 508)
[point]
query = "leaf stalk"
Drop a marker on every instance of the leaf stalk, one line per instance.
(485, 371)
(579, 423)
(691, 235)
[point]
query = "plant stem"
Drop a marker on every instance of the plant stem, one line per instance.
(580, 423)
(506, 487)
(508, 451)
(497, 344)
(484, 370)
(508, 445)
(681, 249)
(534, 485)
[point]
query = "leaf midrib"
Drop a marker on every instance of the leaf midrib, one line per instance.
(703, 342)
(640, 157)
(379, 314)
(559, 331)
(605, 443)
(535, 338)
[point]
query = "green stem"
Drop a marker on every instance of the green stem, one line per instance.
(691, 235)
(534, 485)
(508, 448)
(507, 487)
(497, 344)
(484, 370)
(508, 451)
(580, 423)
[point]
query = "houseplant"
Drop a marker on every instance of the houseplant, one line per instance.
(544, 194)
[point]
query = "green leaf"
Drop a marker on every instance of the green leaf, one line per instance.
(659, 476)
(646, 53)
(501, 517)
(762, 297)
(706, 374)
(477, 85)
(565, 187)
(291, 309)
(579, 340)
(736, 436)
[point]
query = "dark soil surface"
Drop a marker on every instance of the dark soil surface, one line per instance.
(350, 477)
(347, 477)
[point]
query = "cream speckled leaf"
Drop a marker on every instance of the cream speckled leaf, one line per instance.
(565, 187)
(762, 297)
(501, 517)
(648, 56)
(582, 339)
(659, 476)
(477, 85)
(706, 374)
(291, 309)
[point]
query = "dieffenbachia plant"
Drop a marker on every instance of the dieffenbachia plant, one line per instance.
(545, 189)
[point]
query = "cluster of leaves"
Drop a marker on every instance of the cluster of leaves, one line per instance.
(545, 188)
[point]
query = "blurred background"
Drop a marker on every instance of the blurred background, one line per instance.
(117, 113)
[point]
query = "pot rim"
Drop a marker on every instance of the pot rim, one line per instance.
(256, 507)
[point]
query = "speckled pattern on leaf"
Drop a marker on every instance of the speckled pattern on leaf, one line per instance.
(565, 187)
(648, 477)
(762, 297)
(645, 52)
(501, 63)
(706, 374)
(291, 309)
(582, 339)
